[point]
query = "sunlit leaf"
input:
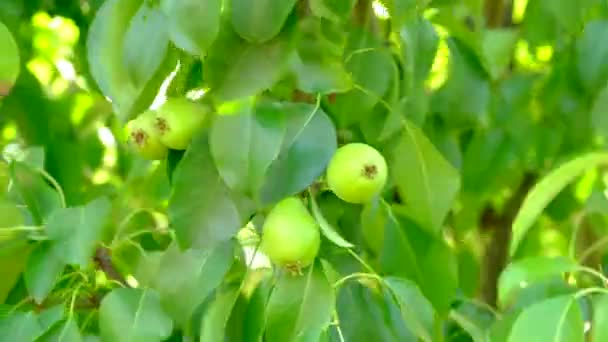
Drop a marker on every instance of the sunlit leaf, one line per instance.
(259, 21)
(522, 272)
(133, 315)
(557, 319)
(298, 304)
(75, 232)
(546, 190)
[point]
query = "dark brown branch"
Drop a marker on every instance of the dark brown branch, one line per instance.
(103, 260)
(497, 247)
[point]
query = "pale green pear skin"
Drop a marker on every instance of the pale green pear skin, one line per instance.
(357, 173)
(177, 120)
(144, 138)
(291, 236)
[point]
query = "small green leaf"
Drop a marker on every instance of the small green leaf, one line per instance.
(368, 314)
(332, 10)
(299, 304)
(321, 78)
(416, 310)
(253, 325)
(592, 55)
(464, 98)
(371, 66)
(242, 162)
(193, 24)
(217, 313)
(75, 232)
(260, 20)
(185, 278)
(105, 57)
(20, 326)
(145, 44)
(9, 61)
(546, 190)
(525, 271)
(557, 319)
(133, 315)
(397, 255)
(427, 183)
(251, 68)
(201, 209)
(326, 228)
(42, 271)
(600, 318)
(48, 318)
(104, 49)
(39, 197)
(497, 50)
(66, 332)
(309, 143)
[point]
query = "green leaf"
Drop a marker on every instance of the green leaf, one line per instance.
(420, 43)
(260, 20)
(321, 78)
(332, 10)
(193, 24)
(499, 331)
(592, 55)
(546, 190)
(299, 304)
(75, 232)
(556, 319)
(439, 276)
(426, 182)
(397, 256)
(185, 278)
(201, 209)
(145, 44)
(253, 324)
(368, 314)
(105, 55)
(251, 68)
(243, 162)
(309, 142)
(372, 68)
(11, 218)
(39, 197)
(13, 257)
(42, 271)
(66, 332)
(217, 313)
(326, 228)
(131, 315)
(497, 50)
(599, 110)
(9, 61)
(400, 11)
(416, 310)
(48, 318)
(600, 318)
(522, 272)
(20, 326)
(464, 98)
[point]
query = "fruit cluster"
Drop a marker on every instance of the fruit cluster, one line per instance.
(172, 126)
(291, 235)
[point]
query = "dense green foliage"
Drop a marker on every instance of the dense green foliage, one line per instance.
(145, 145)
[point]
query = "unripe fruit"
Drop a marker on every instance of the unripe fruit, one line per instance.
(356, 173)
(291, 236)
(144, 137)
(177, 120)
